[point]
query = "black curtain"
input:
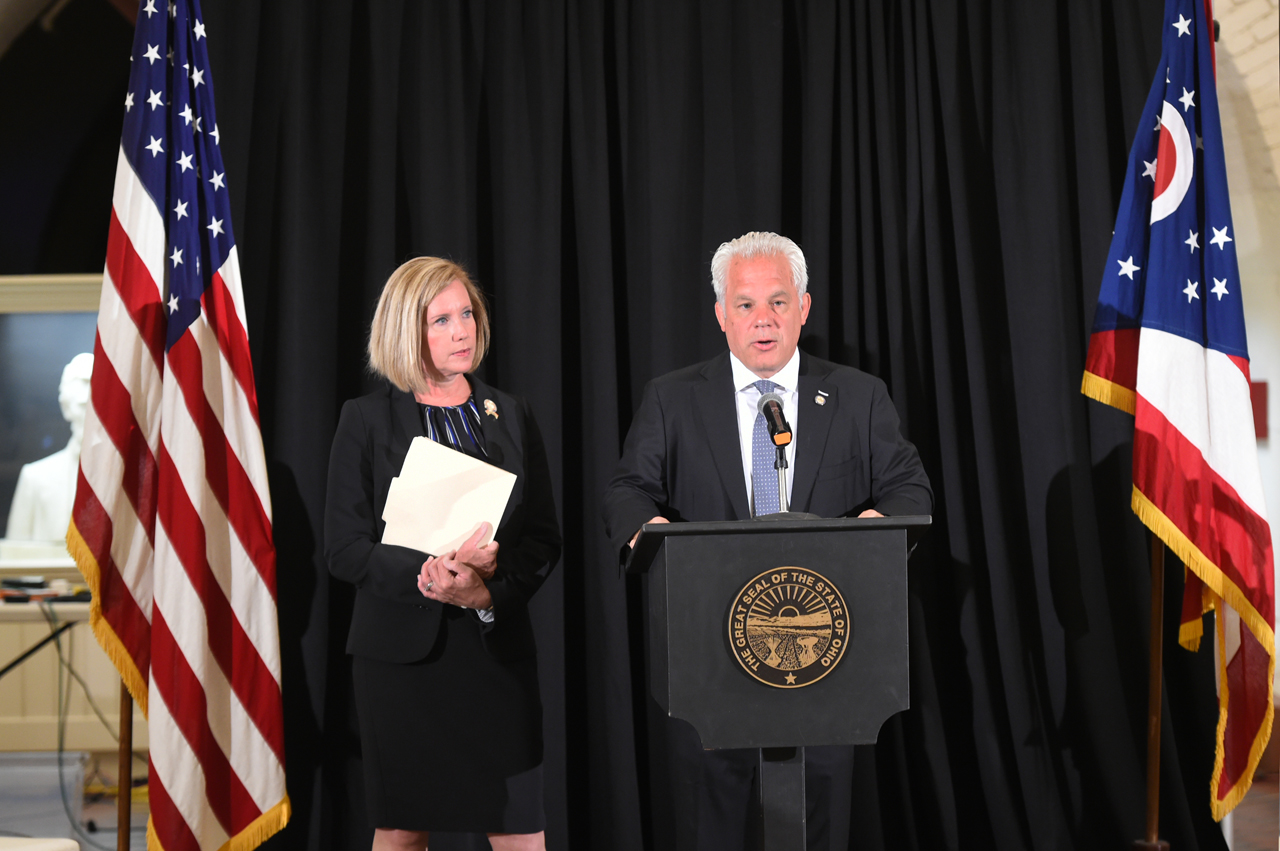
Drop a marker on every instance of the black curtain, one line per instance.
(951, 170)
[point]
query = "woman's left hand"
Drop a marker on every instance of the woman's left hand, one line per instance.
(448, 580)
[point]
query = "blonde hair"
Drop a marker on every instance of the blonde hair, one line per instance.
(396, 351)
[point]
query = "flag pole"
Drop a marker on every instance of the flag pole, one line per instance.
(1152, 842)
(124, 772)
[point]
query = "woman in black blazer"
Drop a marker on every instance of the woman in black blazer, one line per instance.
(444, 661)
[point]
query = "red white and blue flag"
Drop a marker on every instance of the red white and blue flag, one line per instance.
(172, 516)
(1168, 346)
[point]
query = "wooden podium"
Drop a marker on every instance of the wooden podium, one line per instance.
(776, 634)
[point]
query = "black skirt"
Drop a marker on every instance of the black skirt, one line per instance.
(452, 742)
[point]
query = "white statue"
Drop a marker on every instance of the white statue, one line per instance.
(41, 509)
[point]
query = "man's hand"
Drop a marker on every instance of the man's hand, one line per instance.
(632, 542)
(483, 560)
(871, 512)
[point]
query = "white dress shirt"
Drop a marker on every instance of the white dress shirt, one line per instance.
(746, 396)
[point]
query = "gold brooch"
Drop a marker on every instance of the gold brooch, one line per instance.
(820, 400)
(490, 408)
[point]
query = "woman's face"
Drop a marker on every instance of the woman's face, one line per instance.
(450, 330)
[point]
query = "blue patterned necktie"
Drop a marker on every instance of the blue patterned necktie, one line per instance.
(764, 477)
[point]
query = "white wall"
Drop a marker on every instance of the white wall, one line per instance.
(1249, 94)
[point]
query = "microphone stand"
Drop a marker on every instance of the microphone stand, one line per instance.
(780, 464)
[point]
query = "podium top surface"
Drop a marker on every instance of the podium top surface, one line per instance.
(652, 535)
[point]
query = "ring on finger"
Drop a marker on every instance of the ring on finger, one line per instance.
(429, 584)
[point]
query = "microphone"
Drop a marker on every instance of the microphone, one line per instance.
(770, 405)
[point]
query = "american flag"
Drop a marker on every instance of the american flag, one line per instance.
(172, 516)
(1168, 346)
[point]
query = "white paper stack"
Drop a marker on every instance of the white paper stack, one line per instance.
(441, 497)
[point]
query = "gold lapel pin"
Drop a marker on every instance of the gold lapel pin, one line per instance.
(490, 408)
(820, 400)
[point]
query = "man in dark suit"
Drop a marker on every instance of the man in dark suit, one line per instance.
(697, 450)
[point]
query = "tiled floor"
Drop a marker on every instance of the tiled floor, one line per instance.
(1256, 822)
(100, 822)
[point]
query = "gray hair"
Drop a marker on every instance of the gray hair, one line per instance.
(758, 244)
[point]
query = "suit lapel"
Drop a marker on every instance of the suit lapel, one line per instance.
(716, 406)
(814, 424)
(495, 423)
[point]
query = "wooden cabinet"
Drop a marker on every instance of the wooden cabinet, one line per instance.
(29, 705)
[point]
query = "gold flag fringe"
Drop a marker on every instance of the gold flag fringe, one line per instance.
(1223, 589)
(102, 629)
(1108, 392)
(1189, 634)
(1221, 807)
(262, 828)
(257, 832)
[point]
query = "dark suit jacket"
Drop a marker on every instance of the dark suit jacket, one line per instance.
(683, 460)
(392, 621)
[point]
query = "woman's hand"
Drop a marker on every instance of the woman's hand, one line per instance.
(447, 580)
(482, 559)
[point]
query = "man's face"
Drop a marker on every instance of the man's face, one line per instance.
(762, 313)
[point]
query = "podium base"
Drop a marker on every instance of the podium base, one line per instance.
(782, 806)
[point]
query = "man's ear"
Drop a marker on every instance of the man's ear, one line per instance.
(720, 313)
(805, 301)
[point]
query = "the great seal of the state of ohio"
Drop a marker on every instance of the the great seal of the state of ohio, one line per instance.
(789, 627)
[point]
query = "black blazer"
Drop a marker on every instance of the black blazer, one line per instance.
(682, 458)
(392, 621)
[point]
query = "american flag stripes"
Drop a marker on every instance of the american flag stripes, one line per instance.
(172, 517)
(1168, 346)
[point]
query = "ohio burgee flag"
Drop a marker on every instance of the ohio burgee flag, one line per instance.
(172, 517)
(1168, 346)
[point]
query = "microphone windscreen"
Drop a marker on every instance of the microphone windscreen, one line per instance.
(766, 398)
